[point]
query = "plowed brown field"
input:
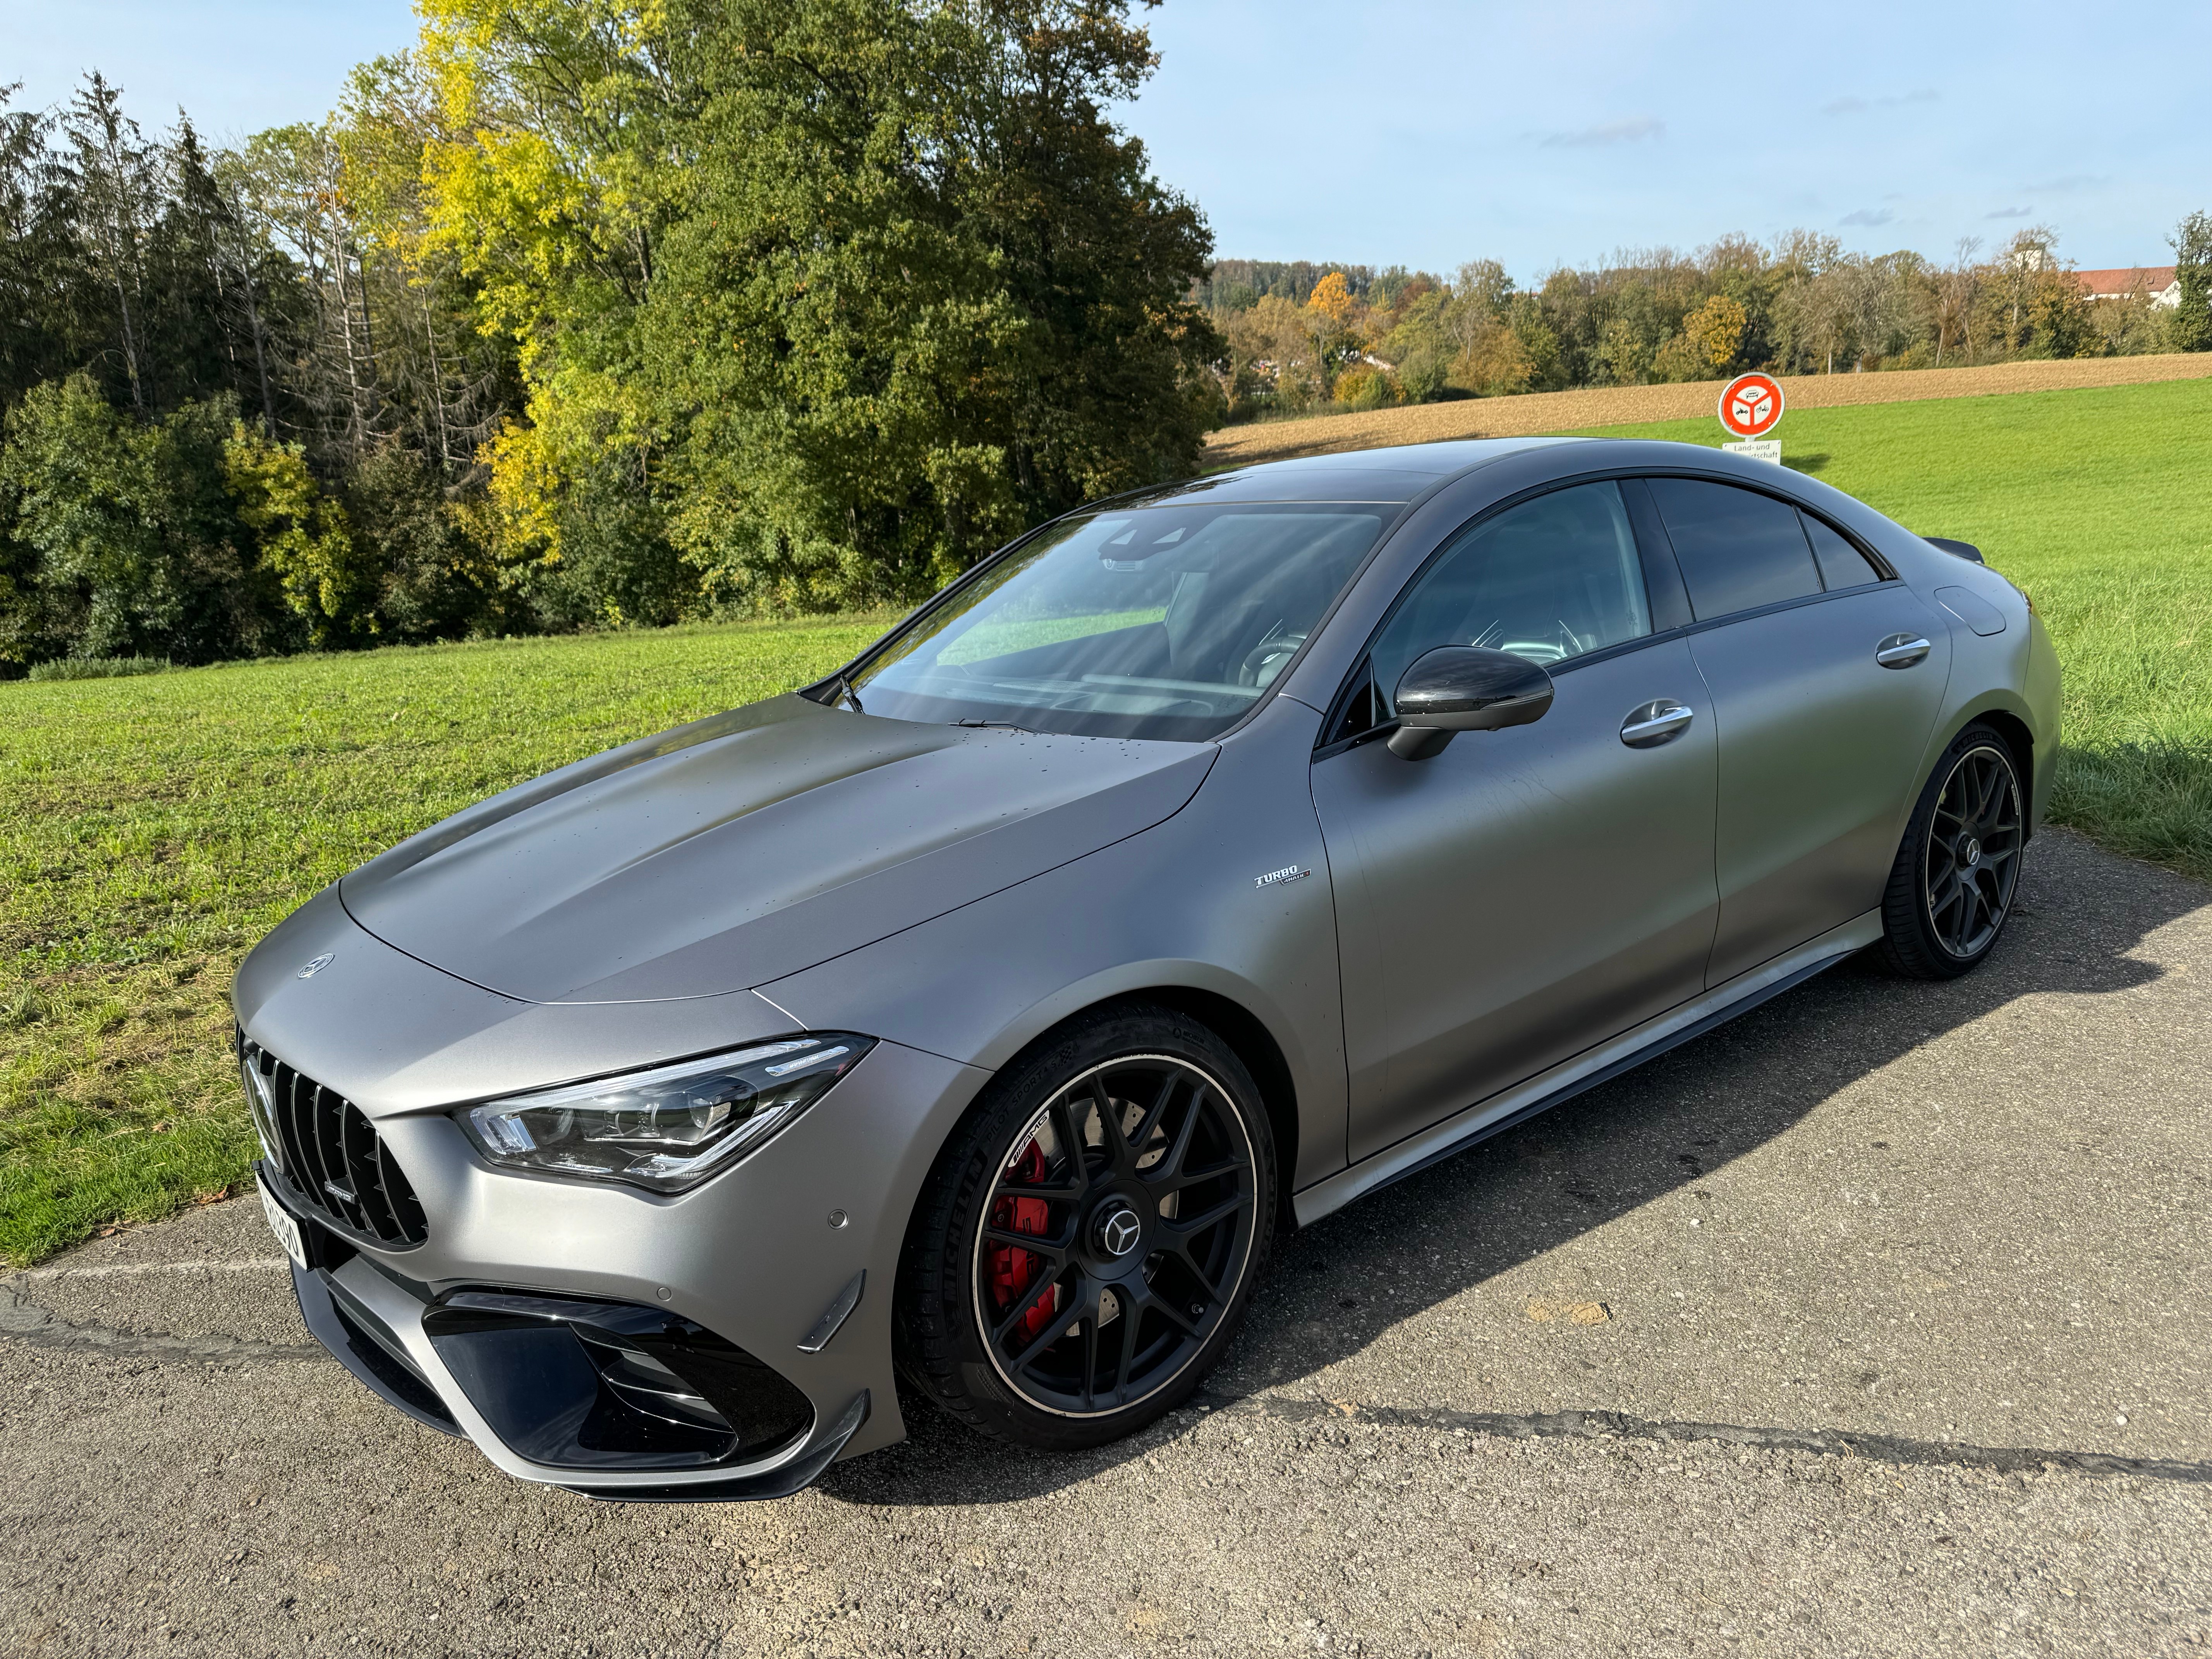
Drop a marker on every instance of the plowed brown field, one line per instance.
(1565, 412)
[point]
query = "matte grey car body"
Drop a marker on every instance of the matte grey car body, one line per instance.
(1406, 955)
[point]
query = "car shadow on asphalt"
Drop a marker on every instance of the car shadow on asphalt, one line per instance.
(1654, 1132)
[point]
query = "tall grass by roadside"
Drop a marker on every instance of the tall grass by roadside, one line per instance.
(98, 668)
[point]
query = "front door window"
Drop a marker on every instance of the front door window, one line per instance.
(1553, 579)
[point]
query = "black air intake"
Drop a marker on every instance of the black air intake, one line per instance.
(578, 1383)
(330, 1156)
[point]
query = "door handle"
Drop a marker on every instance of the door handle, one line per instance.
(1901, 650)
(1658, 721)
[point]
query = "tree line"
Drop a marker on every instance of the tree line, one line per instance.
(585, 312)
(1304, 335)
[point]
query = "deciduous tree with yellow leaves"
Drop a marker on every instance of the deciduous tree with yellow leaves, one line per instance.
(829, 295)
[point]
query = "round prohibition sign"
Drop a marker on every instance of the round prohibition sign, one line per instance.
(1751, 404)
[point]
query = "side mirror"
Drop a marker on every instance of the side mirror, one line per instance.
(1465, 688)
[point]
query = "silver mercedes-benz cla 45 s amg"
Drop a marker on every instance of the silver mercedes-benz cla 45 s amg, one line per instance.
(1204, 859)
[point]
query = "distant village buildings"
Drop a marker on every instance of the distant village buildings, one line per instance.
(2159, 283)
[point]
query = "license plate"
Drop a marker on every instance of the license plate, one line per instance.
(280, 1224)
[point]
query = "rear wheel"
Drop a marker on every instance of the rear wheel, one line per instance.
(1090, 1237)
(1951, 889)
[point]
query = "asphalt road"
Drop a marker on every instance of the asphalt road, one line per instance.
(1875, 1323)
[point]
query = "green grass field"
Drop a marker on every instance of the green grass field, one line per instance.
(2099, 503)
(152, 828)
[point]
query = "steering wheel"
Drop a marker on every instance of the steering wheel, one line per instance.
(1266, 659)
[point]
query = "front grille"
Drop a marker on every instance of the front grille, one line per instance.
(330, 1155)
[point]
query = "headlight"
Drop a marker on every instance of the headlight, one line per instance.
(671, 1127)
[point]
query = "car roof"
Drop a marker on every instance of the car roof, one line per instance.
(1397, 474)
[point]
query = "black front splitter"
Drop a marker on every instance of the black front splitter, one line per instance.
(356, 1342)
(779, 1482)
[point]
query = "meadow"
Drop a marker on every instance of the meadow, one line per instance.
(153, 827)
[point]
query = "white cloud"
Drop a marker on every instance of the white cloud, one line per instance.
(1856, 106)
(1869, 217)
(1633, 130)
(2008, 213)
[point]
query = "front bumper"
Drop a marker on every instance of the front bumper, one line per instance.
(788, 1258)
(375, 1329)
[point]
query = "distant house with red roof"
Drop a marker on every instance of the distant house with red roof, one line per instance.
(2159, 283)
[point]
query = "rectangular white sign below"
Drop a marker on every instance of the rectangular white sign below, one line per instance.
(1760, 449)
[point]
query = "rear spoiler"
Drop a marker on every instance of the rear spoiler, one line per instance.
(1965, 551)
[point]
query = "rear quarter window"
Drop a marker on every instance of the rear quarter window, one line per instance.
(1841, 565)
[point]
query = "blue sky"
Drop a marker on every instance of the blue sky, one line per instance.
(235, 65)
(1429, 133)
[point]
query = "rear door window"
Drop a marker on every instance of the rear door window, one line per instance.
(1738, 549)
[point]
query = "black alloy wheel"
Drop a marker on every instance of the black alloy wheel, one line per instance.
(1952, 887)
(1089, 1244)
(1973, 858)
(1111, 1236)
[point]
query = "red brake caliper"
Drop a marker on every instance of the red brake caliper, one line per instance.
(1013, 1271)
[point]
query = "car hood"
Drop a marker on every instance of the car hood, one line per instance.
(736, 850)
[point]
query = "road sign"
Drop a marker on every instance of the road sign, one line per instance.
(1760, 449)
(1751, 404)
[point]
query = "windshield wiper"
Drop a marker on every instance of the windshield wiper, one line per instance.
(1001, 726)
(847, 695)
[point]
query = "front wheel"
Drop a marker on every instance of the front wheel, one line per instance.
(1951, 889)
(1089, 1240)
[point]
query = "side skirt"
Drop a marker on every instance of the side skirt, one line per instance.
(1478, 1123)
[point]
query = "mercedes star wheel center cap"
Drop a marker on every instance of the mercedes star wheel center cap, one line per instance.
(1119, 1230)
(1971, 853)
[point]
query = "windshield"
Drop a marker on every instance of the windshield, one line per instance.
(1160, 622)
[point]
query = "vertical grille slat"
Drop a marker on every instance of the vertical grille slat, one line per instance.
(399, 1193)
(329, 1158)
(313, 1172)
(286, 1081)
(331, 1111)
(267, 1112)
(333, 1160)
(363, 1175)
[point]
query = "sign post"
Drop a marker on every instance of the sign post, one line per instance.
(1751, 407)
